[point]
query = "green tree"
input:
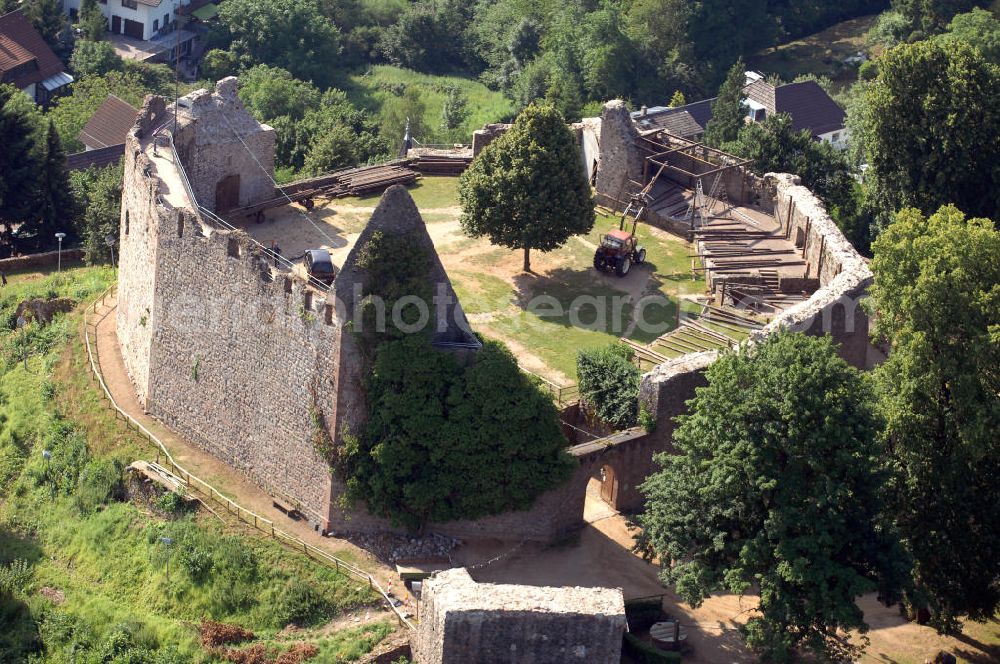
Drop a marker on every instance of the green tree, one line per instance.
(50, 20)
(270, 92)
(775, 486)
(445, 442)
(526, 189)
(728, 110)
(455, 110)
(979, 29)
(19, 159)
(291, 34)
(929, 127)
(937, 303)
(94, 58)
(609, 384)
(218, 63)
(409, 108)
(53, 210)
(98, 194)
(677, 100)
(93, 24)
(928, 17)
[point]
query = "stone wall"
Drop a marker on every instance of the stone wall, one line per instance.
(620, 159)
(217, 138)
(489, 133)
(44, 259)
(464, 622)
(221, 351)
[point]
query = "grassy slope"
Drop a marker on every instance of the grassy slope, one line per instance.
(821, 53)
(108, 560)
(369, 90)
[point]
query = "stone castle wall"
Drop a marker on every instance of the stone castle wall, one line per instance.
(241, 363)
(464, 622)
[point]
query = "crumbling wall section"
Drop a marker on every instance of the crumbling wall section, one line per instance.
(239, 362)
(464, 622)
(620, 158)
(217, 138)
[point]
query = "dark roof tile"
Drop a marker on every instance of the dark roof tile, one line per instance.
(20, 44)
(109, 124)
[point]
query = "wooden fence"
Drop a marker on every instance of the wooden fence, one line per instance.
(199, 486)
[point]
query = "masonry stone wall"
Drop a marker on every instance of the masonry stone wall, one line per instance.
(217, 138)
(620, 160)
(464, 622)
(236, 360)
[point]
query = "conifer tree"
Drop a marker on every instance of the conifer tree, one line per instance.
(728, 111)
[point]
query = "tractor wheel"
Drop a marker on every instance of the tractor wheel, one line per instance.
(624, 265)
(598, 262)
(640, 255)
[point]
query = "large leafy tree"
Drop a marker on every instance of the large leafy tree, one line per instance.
(609, 384)
(979, 29)
(937, 299)
(930, 130)
(728, 110)
(291, 34)
(526, 190)
(775, 486)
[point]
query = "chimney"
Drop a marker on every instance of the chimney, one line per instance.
(642, 111)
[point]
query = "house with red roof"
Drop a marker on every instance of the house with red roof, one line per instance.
(27, 62)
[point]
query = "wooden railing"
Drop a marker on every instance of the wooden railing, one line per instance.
(199, 486)
(563, 395)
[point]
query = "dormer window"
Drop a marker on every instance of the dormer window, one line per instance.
(756, 112)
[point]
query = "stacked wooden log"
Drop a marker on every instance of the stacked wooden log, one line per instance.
(432, 164)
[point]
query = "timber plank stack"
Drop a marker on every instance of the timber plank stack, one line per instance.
(442, 164)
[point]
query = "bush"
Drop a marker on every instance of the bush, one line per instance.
(609, 384)
(644, 653)
(100, 481)
(214, 634)
(197, 562)
(15, 578)
(300, 604)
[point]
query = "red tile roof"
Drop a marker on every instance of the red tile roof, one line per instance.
(109, 124)
(25, 58)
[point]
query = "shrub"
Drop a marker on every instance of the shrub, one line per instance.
(297, 654)
(645, 653)
(100, 481)
(197, 562)
(300, 604)
(15, 577)
(609, 384)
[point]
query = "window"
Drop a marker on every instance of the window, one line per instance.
(156, 24)
(166, 20)
(835, 137)
(130, 4)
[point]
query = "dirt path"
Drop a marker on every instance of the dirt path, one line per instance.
(225, 479)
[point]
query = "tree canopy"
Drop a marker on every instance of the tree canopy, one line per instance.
(775, 484)
(937, 299)
(930, 130)
(526, 190)
(291, 34)
(609, 384)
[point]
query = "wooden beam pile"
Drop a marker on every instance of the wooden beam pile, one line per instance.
(433, 164)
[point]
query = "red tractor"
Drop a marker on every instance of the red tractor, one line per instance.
(619, 249)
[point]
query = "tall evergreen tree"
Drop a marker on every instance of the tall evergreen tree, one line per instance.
(18, 158)
(53, 211)
(728, 110)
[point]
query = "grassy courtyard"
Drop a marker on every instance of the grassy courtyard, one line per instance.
(564, 305)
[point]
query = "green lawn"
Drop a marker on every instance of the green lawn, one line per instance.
(93, 574)
(373, 88)
(821, 53)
